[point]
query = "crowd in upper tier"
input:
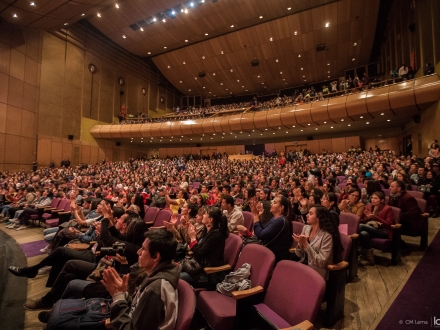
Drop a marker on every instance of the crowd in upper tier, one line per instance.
(208, 199)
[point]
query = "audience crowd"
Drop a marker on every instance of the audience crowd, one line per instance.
(207, 198)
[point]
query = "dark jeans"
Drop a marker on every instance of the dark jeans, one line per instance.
(367, 233)
(58, 258)
(73, 269)
(26, 215)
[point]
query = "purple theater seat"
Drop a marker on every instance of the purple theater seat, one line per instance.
(288, 303)
(248, 220)
(219, 310)
(416, 194)
(187, 306)
(163, 215)
(151, 214)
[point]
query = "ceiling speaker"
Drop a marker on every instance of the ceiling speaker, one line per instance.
(202, 74)
(412, 27)
(255, 62)
(320, 47)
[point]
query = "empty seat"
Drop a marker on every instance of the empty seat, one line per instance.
(352, 221)
(186, 305)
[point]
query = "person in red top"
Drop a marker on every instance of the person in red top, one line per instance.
(282, 161)
(377, 222)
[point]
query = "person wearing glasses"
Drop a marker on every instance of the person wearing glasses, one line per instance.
(353, 203)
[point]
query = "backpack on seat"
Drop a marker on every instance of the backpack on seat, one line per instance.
(78, 314)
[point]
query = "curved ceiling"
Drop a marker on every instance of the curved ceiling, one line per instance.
(222, 37)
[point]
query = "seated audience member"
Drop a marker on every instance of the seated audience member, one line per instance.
(411, 216)
(353, 204)
(249, 193)
(44, 198)
(233, 213)
(60, 256)
(158, 199)
(376, 223)
(208, 251)
(175, 204)
(430, 190)
(402, 176)
(319, 242)
(188, 214)
(26, 200)
(276, 234)
(264, 215)
(330, 202)
(344, 191)
(371, 187)
(153, 303)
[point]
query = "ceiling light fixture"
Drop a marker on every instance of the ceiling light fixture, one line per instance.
(142, 29)
(295, 33)
(116, 6)
(149, 53)
(270, 39)
(83, 14)
(165, 47)
(154, 19)
(289, 8)
(276, 60)
(206, 34)
(65, 24)
(261, 17)
(299, 55)
(327, 24)
(367, 122)
(32, 3)
(186, 40)
(164, 20)
(122, 36)
(98, 14)
(355, 44)
(232, 26)
(353, 59)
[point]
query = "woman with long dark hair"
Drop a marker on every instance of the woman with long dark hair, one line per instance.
(402, 176)
(208, 251)
(377, 222)
(330, 202)
(320, 241)
(371, 187)
(275, 234)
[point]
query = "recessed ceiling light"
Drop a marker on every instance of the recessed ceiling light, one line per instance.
(261, 17)
(361, 117)
(331, 127)
(308, 124)
(302, 130)
(328, 76)
(342, 119)
(32, 3)
(327, 24)
(169, 67)
(238, 80)
(203, 87)
(221, 84)
(173, 13)
(388, 119)
(165, 47)
(316, 128)
(83, 14)
(154, 19)
(203, 57)
(284, 79)
(328, 71)
(186, 40)
(195, 78)
(299, 55)
(289, 8)
(98, 14)
(213, 74)
(262, 83)
(122, 36)
(164, 20)
(349, 124)
(328, 63)
(355, 44)
(265, 129)
(206, 34)
(142, 29)
(189, 90)
(302, 68)
(270, 39)
(293, 126)
(232, 70)
(227, 89)
(258, 76)
(232, 26)
(65, 24)
(382, 114)
(353, 59)
(149, 53)
(325, 122)
(242, 86)
(184, 62)
(192, 4)
(295, 33)
(304, 76)
(305, 80)
(116, 6)
(367, 122)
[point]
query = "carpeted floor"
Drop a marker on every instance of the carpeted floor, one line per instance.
(32, 249)
(418, 304)
(13, 290)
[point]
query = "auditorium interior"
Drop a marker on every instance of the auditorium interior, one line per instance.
(96, 81)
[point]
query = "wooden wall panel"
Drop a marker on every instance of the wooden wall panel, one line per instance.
(325, 144)
(239, 149)
(230, 150)
(221, 149)
(313, 146)
(339, 145)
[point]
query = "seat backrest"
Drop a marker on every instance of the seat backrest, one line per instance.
(55, 202)
(397, 212)
(261, 260)
(422, 204)
(414, 187)
(150, 215)
(297, 227)
(63, 204)
(186, 305)
(248, 220)
(352, 220)
(163, 215)
(415, 194)
(387, 200)
(292, 299)
(346, 244)
(386, 191)
(341, 178)
(361, 185)
(233, 246)
(196, 184)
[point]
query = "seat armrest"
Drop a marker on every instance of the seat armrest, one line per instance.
(64, 212)
(354, 236)
(149, 223)
(246, 293)
(160, 227)
(54, 210)
(108, 324)
(211, 270)
(396, 226)
(92, 243)
(426, 215)
(292, 250)
(304, 325)
(338, 266)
